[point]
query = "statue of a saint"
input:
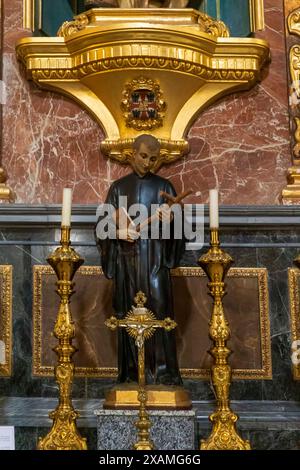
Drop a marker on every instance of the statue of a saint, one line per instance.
(136, 263)
(136, 3)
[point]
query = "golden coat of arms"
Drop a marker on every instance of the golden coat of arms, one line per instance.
(143, 105)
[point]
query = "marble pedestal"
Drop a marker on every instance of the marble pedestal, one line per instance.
(171, 430)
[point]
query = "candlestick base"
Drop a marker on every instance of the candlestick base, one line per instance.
(63, 434)
(224, 435)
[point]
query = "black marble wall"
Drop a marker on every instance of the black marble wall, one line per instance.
(255, 237)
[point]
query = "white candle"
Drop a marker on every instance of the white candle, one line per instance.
(213, 209)
(66, 208)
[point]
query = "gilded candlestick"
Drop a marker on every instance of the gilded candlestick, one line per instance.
(224, 436)
(141, 323)
(64, 434)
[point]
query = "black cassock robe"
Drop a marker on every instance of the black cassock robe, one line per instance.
(143, 265)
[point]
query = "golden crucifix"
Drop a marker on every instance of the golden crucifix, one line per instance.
(140, 323)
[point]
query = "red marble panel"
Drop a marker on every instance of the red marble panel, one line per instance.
(13, 24)
(240, 145)
(48, 141)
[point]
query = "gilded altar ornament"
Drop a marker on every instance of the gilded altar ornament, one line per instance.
(140, 324)
(68, 28)
(64, 434)
(293, 22)
(296, 148)
(291, 193)
(257, 15)
(294, 308)
(294, 291)
(224, 436)
(142, 104)
(189, 55)
(6, 320)
(295, 68)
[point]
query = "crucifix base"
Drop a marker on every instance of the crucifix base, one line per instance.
(170, 429)
(166, 397)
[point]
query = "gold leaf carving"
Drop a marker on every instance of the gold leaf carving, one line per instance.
(213, 27)
(295, 68)
(142, 62)
(296, 149)
(68, 28)
(6, 318)
(293, 22)
(136, 86)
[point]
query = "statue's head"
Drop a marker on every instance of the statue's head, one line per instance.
(145, 154)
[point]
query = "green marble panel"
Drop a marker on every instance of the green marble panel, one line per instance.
(50, 14)
(235, 14)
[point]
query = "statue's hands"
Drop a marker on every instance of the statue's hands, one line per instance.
(164, 213)
(128, 234)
